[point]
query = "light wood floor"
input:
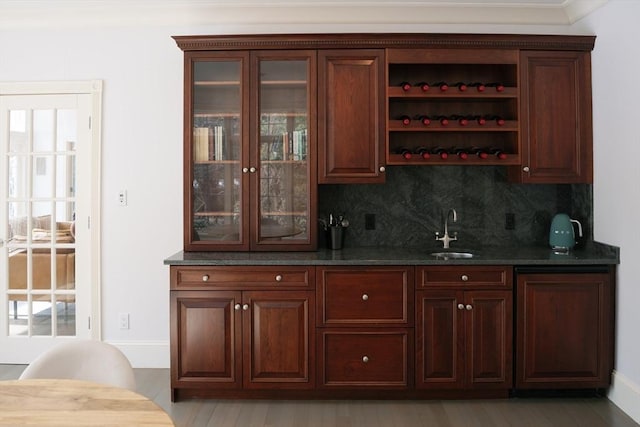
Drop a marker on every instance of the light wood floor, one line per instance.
(516, 412)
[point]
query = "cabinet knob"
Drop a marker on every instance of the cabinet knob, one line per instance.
(237, 307)
(245, 307)
(279, 278)
(245, 170)
(464, 277)
(469, 307)
(382, 169)
(526, 169)
(365, 359)
(460, 306)
(205, 277)
(365, 297)
(252, 169)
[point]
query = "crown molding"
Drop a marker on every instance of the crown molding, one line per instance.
(29, 14)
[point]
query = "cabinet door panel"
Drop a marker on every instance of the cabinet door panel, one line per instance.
(283, 162)
(557, 118)
(564, 331)
(489, 338)
(205, 339)
(277, 338)
(440, 339)
(351, 119)
(216, 143)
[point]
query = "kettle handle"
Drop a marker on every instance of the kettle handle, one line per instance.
(579, 227)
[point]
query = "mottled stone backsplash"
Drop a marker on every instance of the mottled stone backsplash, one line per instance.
(410, 207)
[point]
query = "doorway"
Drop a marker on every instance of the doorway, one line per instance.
(49, 223)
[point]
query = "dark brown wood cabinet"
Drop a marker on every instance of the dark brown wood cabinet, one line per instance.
(564, 330)
(365, 327)
(255, 337)
(556, 118)
(464, 328)
(351, 127)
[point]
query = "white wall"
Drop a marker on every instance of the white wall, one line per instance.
(616, 106)
(142, 153)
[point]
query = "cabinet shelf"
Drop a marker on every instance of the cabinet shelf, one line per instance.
(453, 160)
(216, 83)
(397, 126)
(217, 162)
(416, 92)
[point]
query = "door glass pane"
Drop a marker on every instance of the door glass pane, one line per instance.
(40, 223)
(284, 180)
(216, 147)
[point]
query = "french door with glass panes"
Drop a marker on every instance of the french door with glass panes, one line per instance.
(45, 288)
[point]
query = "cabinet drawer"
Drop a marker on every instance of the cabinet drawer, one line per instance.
(245, 276)
(480, 276)
(379, 296)
(353, 358)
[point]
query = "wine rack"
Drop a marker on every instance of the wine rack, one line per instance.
(462, 86)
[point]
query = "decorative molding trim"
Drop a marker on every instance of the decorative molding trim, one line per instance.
(379, 40)
(625, 394)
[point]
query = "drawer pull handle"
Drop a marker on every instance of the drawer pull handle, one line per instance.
(237, 307)
(464, 277)
(365, 297)
(460, 306)
(365, 359)
(469, 307)
(279, 278)
(245, 307)
(205, 277)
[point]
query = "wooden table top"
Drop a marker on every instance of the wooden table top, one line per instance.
(75, 403)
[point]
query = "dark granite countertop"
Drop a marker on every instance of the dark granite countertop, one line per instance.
(594, 253)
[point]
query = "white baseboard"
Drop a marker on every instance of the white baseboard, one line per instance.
(625, 394)
(145, 354)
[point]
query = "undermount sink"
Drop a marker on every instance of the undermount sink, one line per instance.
(452, 255)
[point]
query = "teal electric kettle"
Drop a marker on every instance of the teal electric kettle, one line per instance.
(561, 235)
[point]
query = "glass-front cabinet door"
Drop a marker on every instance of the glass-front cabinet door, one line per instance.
(284, 118)
(216, 106)
(250, 151)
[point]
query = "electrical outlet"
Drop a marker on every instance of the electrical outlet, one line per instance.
(509, 221)
(369, 221)
(123, 320)
(122, 198)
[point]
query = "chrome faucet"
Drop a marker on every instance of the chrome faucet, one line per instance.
(446, 238)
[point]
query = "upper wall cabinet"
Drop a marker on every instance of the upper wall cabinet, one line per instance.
(351, 116)
(555, 103)
(249, 153)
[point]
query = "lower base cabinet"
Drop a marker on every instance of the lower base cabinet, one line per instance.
(565, 329)
(389, 331)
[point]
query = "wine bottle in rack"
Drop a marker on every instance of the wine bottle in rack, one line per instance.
(499, 86)
(424, 86)
(406, 120)
(481, 120)
(480, 87)
(461, 153)
(441, 152)
(480, 152)
(425, 120)
(500, 154)
(498, 119)
(424, 152)
(462, 86)
(406, 86)
(444, 86)
(462, 120)
(444, 120)
(405, 153)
